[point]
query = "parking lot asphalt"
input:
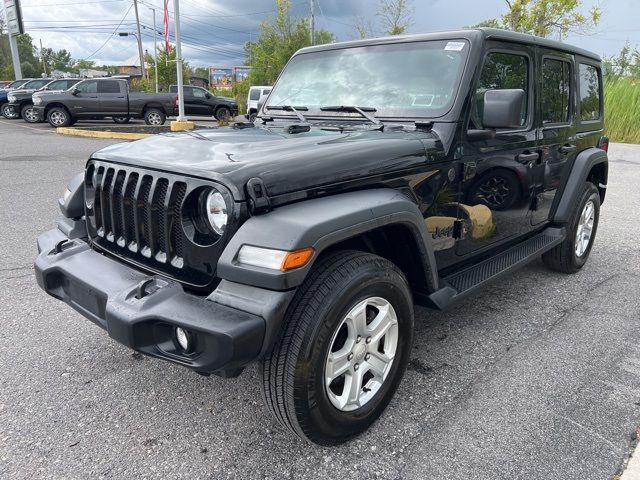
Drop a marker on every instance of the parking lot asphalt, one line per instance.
(537, 377)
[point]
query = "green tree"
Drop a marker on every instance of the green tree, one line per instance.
(278, 40)
(167, 71)
(546, 18)
(83, 65)
(395, 15)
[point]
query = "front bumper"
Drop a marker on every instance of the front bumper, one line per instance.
(141, 310)
(39, 111)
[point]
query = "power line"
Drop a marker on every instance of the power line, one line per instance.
(112, 34)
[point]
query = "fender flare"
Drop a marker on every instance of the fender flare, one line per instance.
(582, 166)
(321, 223)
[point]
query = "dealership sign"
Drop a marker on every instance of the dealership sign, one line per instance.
(14, 17)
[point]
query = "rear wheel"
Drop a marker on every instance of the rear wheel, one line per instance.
(571, 255)
(58, 117)
(154, 116)
(29, 115)
(253, 116)
(343, 348)
(121, 120)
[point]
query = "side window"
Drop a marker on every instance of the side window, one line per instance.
(590, 89)
(199, 93)
(556, 90)
(188, 91)
(501, 71)
(90, 86)
(254, 94)
(109, 86)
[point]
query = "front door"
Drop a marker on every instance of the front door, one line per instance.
(557, 131)
(497, 174)
(85, 101)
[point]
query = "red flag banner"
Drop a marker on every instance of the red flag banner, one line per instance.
(167, 45)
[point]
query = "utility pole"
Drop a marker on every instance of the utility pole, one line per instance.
(143, 71)
(312, 21)
(44, 65)
(155, 47)
(176, 15)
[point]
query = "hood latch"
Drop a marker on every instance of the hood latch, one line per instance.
(258, 200)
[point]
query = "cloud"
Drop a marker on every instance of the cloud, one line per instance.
(215, 31)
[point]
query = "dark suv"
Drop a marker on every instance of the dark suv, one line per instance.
(379, 174)
(200, 101)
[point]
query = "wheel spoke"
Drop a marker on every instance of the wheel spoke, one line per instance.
(380, 325)
(337, 364)
(357, 320)
(354, 387)
(378, 363)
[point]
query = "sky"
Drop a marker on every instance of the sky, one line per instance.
(214, 31)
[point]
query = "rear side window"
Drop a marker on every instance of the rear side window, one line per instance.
(266, 91)
(590, 89)
(188, 91)
(502, 71)
(109, 86)
(556, 90)
(254, 94)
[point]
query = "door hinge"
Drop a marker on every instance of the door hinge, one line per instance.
(457, 229)
(258, 200)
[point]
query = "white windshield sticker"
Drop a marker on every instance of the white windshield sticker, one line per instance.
(455, 46)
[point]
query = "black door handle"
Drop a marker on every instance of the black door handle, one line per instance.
(527, 157)
(567, 149)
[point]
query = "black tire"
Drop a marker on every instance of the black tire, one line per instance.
(564, 257)
(9, 113)
(253, 116)
(28, 115)
(121, 120)
(222, 113)
(154, 116)
(293, 374)
(498, 189)
(58, 117)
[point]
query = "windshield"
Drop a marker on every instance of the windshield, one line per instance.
(35, 84)
(417, 79)
(15, 84)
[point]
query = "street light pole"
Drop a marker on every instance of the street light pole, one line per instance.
(176, 14)
(143, 71)
(155, 48)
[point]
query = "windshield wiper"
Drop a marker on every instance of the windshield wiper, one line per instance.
(289, 108)
(352, 108)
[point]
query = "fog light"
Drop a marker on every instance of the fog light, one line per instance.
(183, 339)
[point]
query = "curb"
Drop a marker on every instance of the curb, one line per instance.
(79, 132)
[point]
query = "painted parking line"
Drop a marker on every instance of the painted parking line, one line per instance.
(9, 122)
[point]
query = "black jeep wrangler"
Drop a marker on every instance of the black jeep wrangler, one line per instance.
(379, 174)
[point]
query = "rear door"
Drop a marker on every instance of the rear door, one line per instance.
(497, 177)
(556, 128)
(202, 104)
(113, 97)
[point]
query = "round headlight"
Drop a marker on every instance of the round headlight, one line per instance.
(216, 210)
(37, 100)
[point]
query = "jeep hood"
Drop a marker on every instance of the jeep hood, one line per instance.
(284, 162)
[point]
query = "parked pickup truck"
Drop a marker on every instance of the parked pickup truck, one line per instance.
(103, 98)
(21, 101)
(199, 101)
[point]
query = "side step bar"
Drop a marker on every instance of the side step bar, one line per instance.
(460, 284)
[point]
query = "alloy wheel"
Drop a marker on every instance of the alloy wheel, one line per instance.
(361, 354)
(585, 228)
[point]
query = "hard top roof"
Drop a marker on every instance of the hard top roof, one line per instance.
(474, 34)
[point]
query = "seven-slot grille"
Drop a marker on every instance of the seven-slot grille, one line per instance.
(137, 214)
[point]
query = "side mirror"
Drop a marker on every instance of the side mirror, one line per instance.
(503, 108)
(207, 95)
(75, 91)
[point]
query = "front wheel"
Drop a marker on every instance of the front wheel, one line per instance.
(343, 348)
(571, 255)
(9, 112)
(223, 113)
(154, 116)
(29, 115)
(58, 117)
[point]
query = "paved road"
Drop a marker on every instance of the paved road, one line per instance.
(536, 378)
